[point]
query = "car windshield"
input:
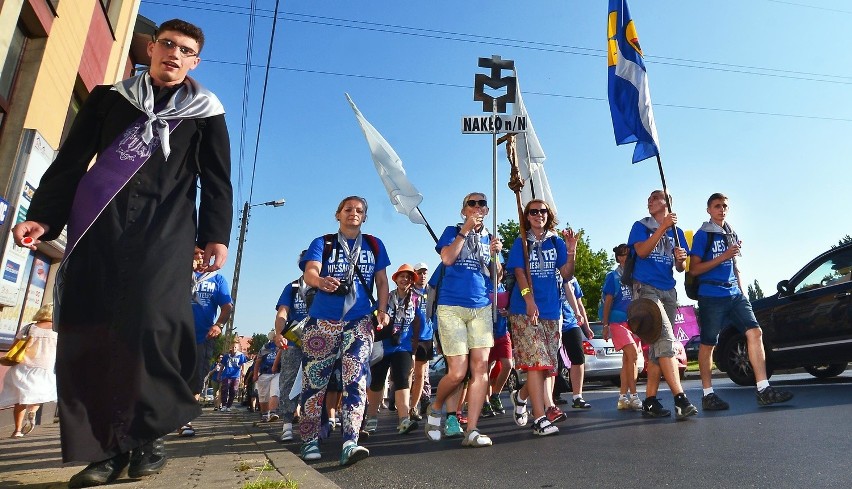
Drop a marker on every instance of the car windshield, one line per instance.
(835, 269)
(597, 328)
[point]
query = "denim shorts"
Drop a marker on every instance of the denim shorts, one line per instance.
(717, 312)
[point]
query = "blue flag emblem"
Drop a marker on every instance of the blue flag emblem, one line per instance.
(629, 95)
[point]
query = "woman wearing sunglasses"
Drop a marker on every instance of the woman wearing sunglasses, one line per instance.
(464, 319)
(535, 307)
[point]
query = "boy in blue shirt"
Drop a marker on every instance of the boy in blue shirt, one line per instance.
(721, 303)
(652, 240)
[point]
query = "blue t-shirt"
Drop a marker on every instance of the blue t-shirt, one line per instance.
(266, 357)
(464, 282)
(544, 272)
(298, 308)
(403, 320)
(569, 320)
(208, 294)
(656, 268)
(621, 296)
(231, 364)
(329, 306)
(712, 282)
(426, 327)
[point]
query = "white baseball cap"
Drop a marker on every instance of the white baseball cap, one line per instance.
(421, 266)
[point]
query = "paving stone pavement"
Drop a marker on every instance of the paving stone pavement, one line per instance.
(227, 451)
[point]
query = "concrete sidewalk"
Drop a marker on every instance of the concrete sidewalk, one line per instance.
(227, 452)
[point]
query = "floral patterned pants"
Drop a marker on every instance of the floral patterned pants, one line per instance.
(323, 342)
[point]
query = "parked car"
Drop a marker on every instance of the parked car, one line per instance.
(437, 371)
(691, 347)
(208, 397)
(680, 356)
(807, 323)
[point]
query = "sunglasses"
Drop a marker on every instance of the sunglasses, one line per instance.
(535, 212)
(480, 203)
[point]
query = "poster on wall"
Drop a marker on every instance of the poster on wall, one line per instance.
(36, 156)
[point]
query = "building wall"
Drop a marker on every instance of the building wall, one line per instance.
(75, 49)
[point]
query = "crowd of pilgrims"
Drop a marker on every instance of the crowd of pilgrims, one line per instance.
(348, 342)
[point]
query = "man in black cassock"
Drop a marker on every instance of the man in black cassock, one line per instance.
(126, 348)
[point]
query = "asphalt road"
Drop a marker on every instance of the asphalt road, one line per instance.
(804, 443)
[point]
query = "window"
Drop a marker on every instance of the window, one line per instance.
(73, 109)
(11, 65)
(112, 9)
(834, 270)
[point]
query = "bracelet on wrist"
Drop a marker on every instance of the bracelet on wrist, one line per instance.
(525, 291)
(461, 235)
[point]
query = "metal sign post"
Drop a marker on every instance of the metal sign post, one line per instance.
(493, 125)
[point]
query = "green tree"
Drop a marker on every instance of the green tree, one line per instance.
(590, 267)
(754, 291)
(843, 241)
(256, 343)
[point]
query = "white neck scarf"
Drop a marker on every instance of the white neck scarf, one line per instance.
(190, 101)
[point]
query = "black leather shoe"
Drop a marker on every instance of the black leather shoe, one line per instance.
(100, 473)
(149, 459)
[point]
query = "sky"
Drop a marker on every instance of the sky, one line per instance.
(751, 99)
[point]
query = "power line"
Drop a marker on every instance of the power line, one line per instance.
(246, 92)
(544, 94)
(263, 102)
(536, 45)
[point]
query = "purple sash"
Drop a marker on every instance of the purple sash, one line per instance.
(113, 169)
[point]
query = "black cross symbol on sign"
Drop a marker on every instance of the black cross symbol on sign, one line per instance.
(495, 81)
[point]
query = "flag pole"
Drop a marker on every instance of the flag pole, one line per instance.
(428, 227)
(494, 203)
(666, 195)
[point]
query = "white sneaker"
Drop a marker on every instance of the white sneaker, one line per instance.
(287, 433)
(273, 417)
(635, 402)
(623, 403)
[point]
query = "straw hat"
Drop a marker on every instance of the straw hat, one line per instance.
(406, 268)
(645, 319)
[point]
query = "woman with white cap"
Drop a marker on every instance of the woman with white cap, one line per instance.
(406, 317)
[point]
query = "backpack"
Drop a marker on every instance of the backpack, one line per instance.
(630, 264)
(691, 282)
(309, 294)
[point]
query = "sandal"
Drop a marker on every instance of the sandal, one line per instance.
(433, 426)
(520, 410)
(476, 439)
(543, 427)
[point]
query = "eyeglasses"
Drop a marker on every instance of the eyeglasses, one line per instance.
(535, 212)
(474, 203)
(168, 45)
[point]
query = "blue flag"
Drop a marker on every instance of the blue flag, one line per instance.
(629, 96)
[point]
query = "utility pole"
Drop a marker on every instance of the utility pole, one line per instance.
(235, 283)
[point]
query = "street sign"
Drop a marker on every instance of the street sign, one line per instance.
(488, 124)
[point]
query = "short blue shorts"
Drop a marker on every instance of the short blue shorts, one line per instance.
(716, 313)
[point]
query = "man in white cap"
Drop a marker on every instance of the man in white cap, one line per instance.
(421, 389)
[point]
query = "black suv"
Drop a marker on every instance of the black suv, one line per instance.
(808, 323)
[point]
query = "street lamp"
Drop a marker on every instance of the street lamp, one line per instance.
(244, 220)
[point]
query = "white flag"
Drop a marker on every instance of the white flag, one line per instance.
(530, 157)
(404, 197)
